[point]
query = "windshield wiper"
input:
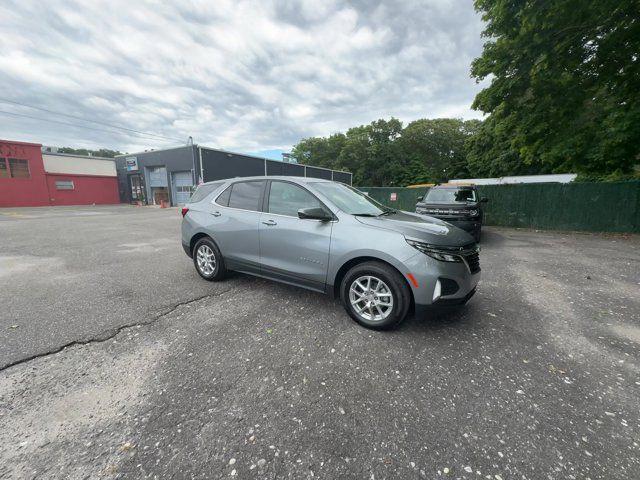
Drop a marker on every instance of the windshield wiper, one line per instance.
(390, 211)
(364, 214)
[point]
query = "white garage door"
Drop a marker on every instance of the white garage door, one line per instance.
(182, 186)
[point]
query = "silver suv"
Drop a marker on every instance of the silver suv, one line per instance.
(331, 238)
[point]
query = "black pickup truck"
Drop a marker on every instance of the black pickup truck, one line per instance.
(459, 205)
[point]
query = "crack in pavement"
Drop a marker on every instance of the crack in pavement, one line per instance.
(111, 333)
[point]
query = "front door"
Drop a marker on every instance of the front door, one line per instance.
(137, 188)
(293, 249)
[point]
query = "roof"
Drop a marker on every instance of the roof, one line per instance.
(133, 154)
(229, 153)
(273, 177)
(455, 185)
(16, 142)
(551, 178)
(91, 157)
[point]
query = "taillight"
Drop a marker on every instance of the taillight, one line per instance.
(184, 211)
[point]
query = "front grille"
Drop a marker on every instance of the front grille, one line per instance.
(473, 260)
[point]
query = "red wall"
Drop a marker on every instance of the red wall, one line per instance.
(24, 192)
(88, 189)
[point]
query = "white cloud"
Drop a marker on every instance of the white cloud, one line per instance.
(240, 75)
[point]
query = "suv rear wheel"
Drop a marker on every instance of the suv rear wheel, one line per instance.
(375, 295)
(208, 260)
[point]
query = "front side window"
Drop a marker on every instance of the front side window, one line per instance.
(19, 168)
(246, 195)
(4, 171)
(286, 199)
(349, 200)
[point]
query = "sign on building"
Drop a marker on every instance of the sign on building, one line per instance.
(132, 164)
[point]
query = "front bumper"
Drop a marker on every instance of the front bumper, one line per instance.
(441, 305)
(440, 283)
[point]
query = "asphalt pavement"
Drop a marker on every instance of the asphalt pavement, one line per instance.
(118, 361)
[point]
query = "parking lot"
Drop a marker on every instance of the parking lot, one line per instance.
(118, 361)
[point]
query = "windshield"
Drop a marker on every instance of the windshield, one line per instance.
(450, 195)
(349, 200)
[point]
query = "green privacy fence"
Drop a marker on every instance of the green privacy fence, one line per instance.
(405, 198)
(596, 207)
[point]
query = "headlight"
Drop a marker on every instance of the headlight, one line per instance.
(434, 252)
(473, 213)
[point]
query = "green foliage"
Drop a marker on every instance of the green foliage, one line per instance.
(384, 153)
(103, 152)
(565, 88)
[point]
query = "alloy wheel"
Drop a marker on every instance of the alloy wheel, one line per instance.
(371, 298)
(206, 260)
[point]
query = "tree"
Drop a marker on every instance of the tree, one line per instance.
(368, 151)
(103, 152)
(434, 149)
(384, 153)
(489, 153)
(565, 88)
(323, 152)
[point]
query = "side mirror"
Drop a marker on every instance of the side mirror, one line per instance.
(484, 200)
(315, 213)
(419, 198)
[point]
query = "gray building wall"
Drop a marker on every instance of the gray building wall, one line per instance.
(220, 164)
(216, 165)
(179, 159)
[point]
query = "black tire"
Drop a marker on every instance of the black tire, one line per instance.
(391, 279)
(207, 247)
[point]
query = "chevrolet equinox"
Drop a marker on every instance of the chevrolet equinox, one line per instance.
(328, 237)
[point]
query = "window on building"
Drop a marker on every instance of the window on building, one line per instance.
(286, 199)
(4, 171)
(19, 168)
(64, 185)
(246, 195)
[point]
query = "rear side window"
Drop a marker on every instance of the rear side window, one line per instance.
(4, 171)
(223, 198)
(203, 191)
(246, 195)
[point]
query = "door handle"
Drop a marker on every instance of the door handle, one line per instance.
(215, 214)
(270, 222)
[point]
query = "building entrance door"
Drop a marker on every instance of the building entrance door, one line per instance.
(137, 188)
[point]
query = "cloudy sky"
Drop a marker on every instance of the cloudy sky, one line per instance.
(240, 75)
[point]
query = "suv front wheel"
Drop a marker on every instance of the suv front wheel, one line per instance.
(375, 295)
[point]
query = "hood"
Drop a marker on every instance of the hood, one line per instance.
(421, 227)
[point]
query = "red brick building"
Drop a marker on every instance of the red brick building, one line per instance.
(29, 178)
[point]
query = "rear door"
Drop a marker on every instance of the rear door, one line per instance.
(292, 249)
(233, 222)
